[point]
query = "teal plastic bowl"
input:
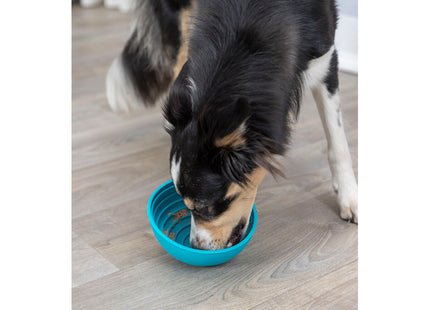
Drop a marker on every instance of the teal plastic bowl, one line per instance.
(169, 216)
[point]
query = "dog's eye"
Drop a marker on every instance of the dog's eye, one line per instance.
(223, 205)
(202, 214)
(215, 210)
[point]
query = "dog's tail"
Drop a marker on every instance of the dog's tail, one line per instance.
(145, 69)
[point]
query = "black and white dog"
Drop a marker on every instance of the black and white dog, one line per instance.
(239, 80)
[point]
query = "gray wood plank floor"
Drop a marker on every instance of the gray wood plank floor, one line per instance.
(302, 256)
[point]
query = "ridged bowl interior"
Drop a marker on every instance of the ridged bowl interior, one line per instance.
(172, 217)
(168, 211)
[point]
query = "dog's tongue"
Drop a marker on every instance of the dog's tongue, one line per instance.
(235, 239)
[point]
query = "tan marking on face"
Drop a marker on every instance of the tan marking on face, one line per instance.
(220, 229)
(189, 203)
(185, 16)
(233, 140)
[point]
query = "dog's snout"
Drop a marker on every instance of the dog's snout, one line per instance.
(194, 244)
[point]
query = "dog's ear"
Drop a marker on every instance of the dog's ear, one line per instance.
(224, 131)
(224, 126)
(177, 111)
(234, 140)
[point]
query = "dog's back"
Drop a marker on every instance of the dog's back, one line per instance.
(258, 50)
(230, 108)
(298, 29)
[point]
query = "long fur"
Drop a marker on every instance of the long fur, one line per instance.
(143, 72)
(230, 110)
(246, 60)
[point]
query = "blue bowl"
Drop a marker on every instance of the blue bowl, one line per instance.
(169, 216)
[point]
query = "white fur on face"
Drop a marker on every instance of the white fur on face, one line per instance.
(317, 69)
(205, 238)
(175, 167)
(203, 235)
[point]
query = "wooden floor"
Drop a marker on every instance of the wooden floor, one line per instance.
(302, 256)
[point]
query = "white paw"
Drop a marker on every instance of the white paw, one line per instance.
(347, 198)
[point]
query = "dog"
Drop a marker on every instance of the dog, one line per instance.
(233, 72)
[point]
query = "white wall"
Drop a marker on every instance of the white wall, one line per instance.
(346, 35)
(348, 7)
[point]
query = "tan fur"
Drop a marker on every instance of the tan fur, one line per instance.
(189, 203)
(234, 140)
(222, 227)
(185, 16)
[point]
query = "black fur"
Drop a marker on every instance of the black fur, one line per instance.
(216, 209)
(152, 80)
(246, 59)
(178, 111)
(332, 81)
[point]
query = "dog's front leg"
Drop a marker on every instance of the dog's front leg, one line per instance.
(344, 183)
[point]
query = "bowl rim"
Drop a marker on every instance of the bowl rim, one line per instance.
(188, 249)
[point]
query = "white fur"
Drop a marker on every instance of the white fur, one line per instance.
(120, 92)
(204, 236)
(168, 126)
(343, 178)
(317, 70)
(149, 38)
(192, 87)
(175, 169)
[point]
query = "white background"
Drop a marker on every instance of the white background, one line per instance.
(35, 158)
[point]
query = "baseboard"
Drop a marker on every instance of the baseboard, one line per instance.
(348, 62)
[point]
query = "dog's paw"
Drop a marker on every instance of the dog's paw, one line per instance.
(347, 199)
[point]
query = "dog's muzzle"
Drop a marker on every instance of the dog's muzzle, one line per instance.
(203, 240)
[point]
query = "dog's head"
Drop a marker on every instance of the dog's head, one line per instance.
(217, 163)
